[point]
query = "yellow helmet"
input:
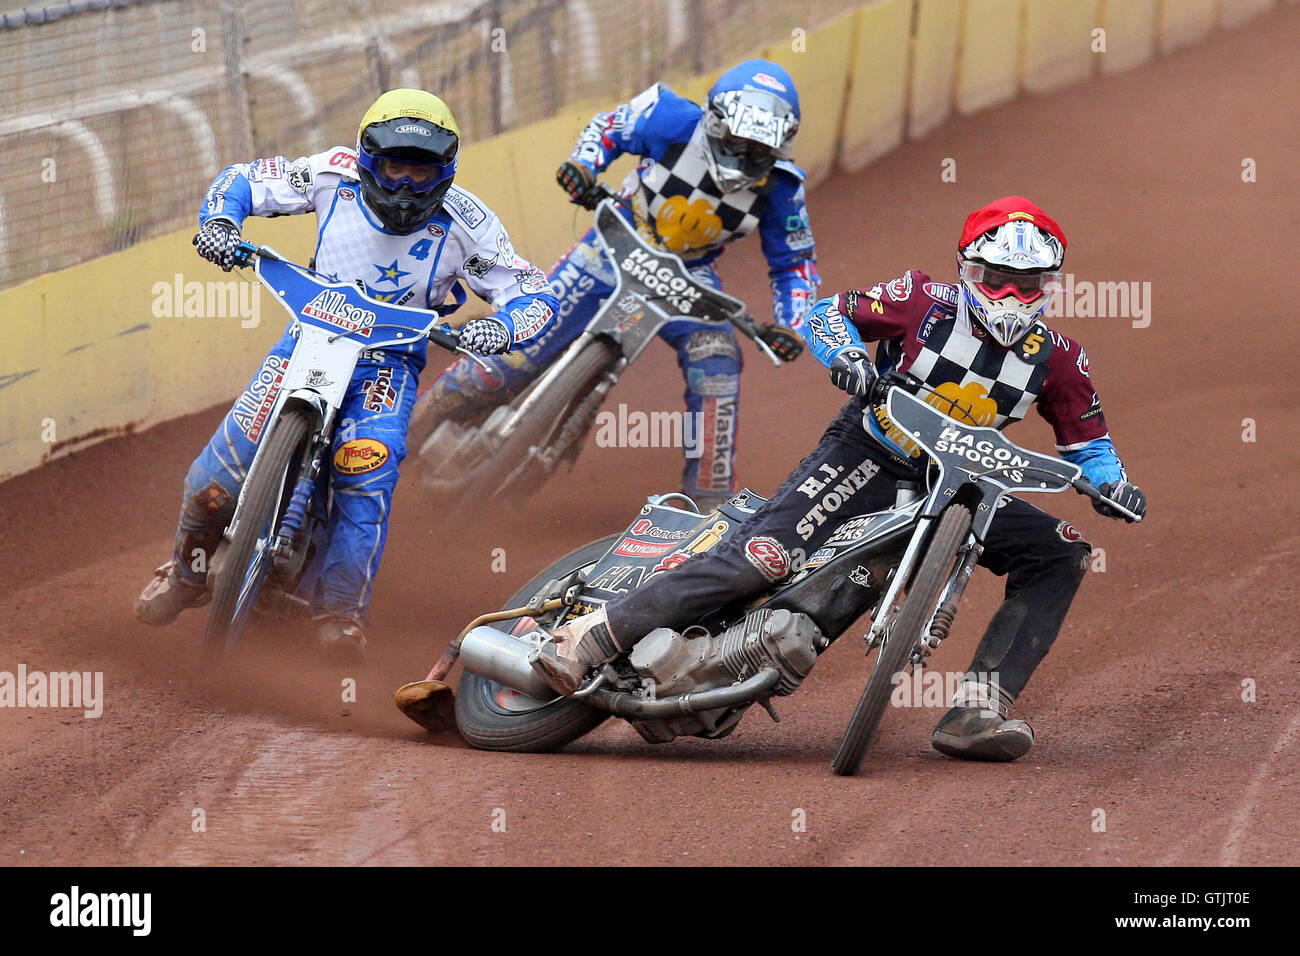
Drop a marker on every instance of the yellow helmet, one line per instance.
(407, 147)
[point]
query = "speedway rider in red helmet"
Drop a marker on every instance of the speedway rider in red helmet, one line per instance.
(982, 346)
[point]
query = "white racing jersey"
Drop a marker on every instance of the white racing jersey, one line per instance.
(464, 241)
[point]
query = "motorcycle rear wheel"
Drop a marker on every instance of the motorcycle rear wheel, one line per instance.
(912, 618)
(491, 716)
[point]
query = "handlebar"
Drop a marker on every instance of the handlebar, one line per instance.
(911, 384)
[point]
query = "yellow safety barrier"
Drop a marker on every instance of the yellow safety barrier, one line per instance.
(153, 333)
(873, 117)
(988, 70)
(934, 64)
(1130, 33)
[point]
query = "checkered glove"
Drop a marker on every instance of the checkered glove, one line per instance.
(217, 241)
(485, 336)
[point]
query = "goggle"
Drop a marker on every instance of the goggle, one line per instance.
(748, 149)
(998, 283)
(393, 173)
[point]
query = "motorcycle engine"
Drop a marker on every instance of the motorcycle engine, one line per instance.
(671, 664)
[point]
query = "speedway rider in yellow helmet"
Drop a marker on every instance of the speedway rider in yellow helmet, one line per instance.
(391, 220)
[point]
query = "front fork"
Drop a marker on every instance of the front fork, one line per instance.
(941, 620)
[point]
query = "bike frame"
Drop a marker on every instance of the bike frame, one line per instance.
(334, 325)
(652, 288)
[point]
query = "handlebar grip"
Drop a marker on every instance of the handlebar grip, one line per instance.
(244, 253)
(445, 336)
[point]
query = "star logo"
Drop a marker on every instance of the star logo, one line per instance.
(389, 273)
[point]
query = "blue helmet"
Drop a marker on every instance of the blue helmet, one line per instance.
(750, 122)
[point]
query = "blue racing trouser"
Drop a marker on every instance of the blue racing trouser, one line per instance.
(368, 446)
(707, 354)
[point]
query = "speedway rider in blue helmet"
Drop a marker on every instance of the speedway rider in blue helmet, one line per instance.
(707, 176)
(390, 220)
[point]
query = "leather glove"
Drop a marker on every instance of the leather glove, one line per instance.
(485, 336)
(579, 182)
(891, 379)
(783, 341)
(217, 241)
(1123, 493)
(853, 372)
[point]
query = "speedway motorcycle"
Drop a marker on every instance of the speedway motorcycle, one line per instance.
(510, 451)
(282, 509)
(907, 566)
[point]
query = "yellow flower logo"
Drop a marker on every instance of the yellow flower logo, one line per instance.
(684, 225)
(969, 404)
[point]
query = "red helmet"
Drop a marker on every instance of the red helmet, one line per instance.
(1009, 259)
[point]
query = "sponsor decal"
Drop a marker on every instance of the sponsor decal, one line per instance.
(828, 325)
(477, 266)
(715, 444)
(380, 394)
(1020, 215)
(632, 548)
(252, 408)
(926, 326)
(1068, 532)
(769, 556)
(216, 199)
(618, 579)
(941, 291)
(470, 212)
(530, 320)
(347, 194)
(534, 281)
(435, 230)
(982, 452)
(720, 386)
(1094, 409)
(412, 128)
(831, 498)
(360, 456)
(504, 248)
(819, 557)
(969, 404)
(661, 281)
(771, 82)
(900, 289)
(860, 576)
(333, 308)
(1084, 365)
(316, 378)
(344, 159)
(702, 345)
(270, 168)
(299, 177)
(647, 529)
(850, 531)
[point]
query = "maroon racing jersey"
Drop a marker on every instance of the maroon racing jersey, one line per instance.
(922, 332)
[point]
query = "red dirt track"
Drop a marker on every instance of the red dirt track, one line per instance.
(1139, 707)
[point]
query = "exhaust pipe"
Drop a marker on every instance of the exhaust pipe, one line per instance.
(499, 657)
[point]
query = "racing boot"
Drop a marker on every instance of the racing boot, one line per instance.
(977, 728)
(163, 598)
(575, 648)
(341, 639)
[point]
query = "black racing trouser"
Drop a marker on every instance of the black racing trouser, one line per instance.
(851, 474)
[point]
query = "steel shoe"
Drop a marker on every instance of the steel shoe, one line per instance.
(164, 597)
(977, 728)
